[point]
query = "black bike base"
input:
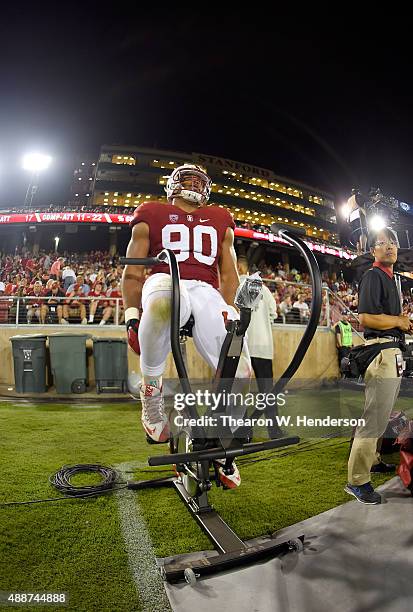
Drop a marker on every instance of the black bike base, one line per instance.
(175, 570)
(232, 551)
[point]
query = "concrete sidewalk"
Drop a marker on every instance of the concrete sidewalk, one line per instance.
(357, 558)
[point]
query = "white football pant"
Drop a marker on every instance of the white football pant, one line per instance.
(206, 305)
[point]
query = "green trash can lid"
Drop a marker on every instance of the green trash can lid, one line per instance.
(96, 339)
(29, 336)
(67, 335)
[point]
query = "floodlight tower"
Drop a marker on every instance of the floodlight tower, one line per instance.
(34, 163)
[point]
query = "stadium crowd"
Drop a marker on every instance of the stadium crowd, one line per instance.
(71, 288)
(85, 288)
(112, 210)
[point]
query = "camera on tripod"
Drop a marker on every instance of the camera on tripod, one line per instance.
(366, 214)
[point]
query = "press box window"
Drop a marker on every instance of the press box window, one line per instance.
(125, 160)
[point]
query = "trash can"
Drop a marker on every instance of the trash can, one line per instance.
(111, 365)
(29, 360)
(68, 362)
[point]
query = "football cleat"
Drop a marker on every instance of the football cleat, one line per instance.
(154, 419)
(230, 478)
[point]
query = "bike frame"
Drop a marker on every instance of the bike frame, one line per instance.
(232, 551)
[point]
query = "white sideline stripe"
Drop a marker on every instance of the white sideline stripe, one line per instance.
(141, 556)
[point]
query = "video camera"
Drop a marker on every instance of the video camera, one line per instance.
(365, 214)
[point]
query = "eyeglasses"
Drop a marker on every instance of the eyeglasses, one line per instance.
(385, 243)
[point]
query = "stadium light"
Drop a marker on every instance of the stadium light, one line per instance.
(34, 162)
(377, 223)
(345, 211)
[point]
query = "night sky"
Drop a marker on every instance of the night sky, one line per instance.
(332, 109)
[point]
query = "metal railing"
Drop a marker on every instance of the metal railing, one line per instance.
(46, 310)
(332, 305)
(42, 310)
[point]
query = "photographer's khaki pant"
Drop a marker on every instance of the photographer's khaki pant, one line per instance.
(382, 388)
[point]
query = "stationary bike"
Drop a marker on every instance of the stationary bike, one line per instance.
(193, 453)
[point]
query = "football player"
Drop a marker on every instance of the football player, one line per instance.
(202, 238)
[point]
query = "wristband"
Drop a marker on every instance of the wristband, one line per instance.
(131, 313)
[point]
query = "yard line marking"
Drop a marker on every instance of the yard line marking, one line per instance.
(141, 556)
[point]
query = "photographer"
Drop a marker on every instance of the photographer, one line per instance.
(380, 314)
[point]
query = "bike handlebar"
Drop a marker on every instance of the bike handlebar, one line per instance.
(141, 261)
(210, 454)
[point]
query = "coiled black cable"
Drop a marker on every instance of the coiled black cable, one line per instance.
(61, 479)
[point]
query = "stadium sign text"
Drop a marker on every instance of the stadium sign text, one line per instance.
(229, 164)
(92, 217)
(65, 217)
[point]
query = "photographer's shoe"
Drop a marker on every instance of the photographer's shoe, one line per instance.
(363, 493)
(383, 468)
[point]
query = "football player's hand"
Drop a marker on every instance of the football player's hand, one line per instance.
(132, 327)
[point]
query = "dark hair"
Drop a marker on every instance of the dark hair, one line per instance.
(387, 231)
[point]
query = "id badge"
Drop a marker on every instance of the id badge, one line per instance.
(399, 365)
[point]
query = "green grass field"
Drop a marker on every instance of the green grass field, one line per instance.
(77, 546)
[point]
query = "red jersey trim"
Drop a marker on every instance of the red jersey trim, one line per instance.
(385, 269)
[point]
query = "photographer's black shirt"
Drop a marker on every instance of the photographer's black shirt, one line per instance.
(378, 294)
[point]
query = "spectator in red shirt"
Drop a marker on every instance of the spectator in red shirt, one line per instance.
(115, 292)
(8, 265)
(34, 306)
(31, 265)
(55, 270)
(99, 306)
(4, 304)
(54, 304)
(13, 284)
(75, 307)
(21, 289)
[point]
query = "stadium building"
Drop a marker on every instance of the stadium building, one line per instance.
(105, 192)
(128, 176)
(82, 183)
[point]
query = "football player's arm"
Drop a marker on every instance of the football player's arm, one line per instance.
(132, 282)
(228, 268)
(133, 277)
